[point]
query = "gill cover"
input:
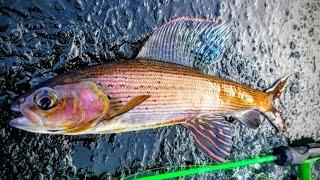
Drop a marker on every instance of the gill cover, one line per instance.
(88, 105)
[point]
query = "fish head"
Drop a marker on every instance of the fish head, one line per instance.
(57, 108)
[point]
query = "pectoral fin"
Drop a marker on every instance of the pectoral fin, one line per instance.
(81, 128)
(130, 105)
(249, 117)
(212, 134)
(88, 125)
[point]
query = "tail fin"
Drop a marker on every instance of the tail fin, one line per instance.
(272, 113)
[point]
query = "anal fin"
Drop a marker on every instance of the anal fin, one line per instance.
(212, 134)
(249, 117)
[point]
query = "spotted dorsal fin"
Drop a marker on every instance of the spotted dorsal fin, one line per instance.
(192, 42)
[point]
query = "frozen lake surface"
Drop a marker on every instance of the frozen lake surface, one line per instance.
(38, 41)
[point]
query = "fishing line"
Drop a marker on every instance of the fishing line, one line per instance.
(304, 156)
(196, 169)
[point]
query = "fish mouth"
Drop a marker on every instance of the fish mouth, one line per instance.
(24, 124)
(19, 122)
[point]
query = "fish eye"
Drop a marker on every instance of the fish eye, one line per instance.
(45, 98)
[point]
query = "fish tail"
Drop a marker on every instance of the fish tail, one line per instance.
(273, 115)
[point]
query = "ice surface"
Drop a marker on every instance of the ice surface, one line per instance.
(39, 41)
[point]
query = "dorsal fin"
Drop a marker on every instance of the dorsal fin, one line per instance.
(192, 42)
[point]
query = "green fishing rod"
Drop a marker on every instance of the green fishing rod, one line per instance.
(304, 156)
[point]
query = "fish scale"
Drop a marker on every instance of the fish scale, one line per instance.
(175, 91)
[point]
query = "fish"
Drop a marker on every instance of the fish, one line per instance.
(165, 85)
